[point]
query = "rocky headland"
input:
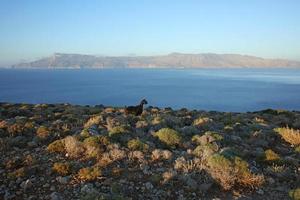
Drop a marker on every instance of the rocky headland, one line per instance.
(63, 151)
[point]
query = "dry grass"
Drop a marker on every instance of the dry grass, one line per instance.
(73, 147)
(57, 146)
(95, 120)
(61, 168)
(232, 173)
(290, 135)
(89, 173)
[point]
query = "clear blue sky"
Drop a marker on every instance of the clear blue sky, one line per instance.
(31, 29)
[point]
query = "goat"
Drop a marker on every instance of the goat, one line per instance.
(136, 110)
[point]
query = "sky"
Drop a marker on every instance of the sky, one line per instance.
(32, 29)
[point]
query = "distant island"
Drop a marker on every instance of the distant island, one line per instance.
(174, 60)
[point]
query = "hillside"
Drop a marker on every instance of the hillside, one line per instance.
(178, 60)
(63, 151)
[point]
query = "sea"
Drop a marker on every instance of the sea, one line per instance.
(228, 90)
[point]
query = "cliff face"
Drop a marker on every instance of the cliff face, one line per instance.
(171, 60)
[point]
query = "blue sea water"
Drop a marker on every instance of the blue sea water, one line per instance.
(205, 89)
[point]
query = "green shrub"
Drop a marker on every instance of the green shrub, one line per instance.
(57, 146)
(290, 135)
(61, 168)
(169, 136)
(92, 141)
(43, 132)
(201, 121)
(137, 144)
(270, 155)
(295, 194)
(205, 151)
(89, 173)
(297, 149)
(232, 173)
(117, 130)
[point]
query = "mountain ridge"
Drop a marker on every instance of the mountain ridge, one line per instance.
(173, 60)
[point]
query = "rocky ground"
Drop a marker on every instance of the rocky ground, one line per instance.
(63, 151)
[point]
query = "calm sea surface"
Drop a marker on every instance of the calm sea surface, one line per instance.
(205, 89)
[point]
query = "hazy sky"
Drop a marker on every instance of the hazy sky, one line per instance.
(31, 29)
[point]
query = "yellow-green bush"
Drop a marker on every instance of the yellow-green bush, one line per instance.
(270, 155)
(62, 168)
(43, 132)
(201, 121)
(295, 194)
(169, 136)
(290, 135)
(92, 141)
(57, 146)
(137, 144)
(89, 173)
(117, 130)
(233, 172)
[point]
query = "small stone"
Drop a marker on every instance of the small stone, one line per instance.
(46, 185)
(87, 188)
(149, 186)
(204, 187)
(55, 196)
(52, 188)
(25, 185)
(63, 180)
(260, 191)
(271, 180)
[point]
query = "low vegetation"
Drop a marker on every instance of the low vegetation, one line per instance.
(63, 151)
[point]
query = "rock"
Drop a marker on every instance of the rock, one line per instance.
(32, 144)
(204, 187)
(235, 138)
(55, 196)
(87, 188)
(19, 141)
(46, 185)
(191, 183)
(63, 180)
(149, 186)
(260, 191)
(25, 185)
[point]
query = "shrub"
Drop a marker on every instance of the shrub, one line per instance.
(169, 136)
(15, 129)
(201, 121)
(61, 168)
(295, 194)
(95, 120)
(73, 147)
(230, 173)
(21, 172)
(290, 135)
(92, 141)
(57, 146)
(89, 173)
(43, 132)
(271, 155)
(297, 149)
(137, 144)
(181, 164)
(205, 151)
(117, 130)
(159, 154)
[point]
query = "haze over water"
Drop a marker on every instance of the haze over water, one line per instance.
(204, 89)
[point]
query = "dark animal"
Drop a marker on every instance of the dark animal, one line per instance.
(136, 110)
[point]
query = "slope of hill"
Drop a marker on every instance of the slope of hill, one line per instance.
(178, 60)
